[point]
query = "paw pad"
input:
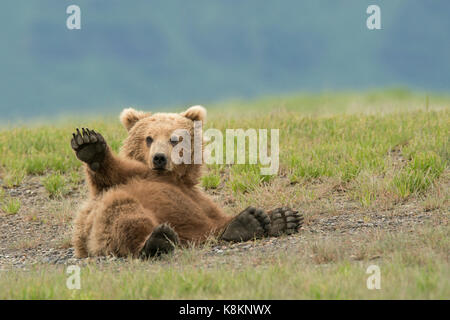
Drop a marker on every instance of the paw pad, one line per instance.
(250, 223)
(89, 147)
(162, 240)
(284, 221)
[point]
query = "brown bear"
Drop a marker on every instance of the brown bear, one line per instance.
(143, 204)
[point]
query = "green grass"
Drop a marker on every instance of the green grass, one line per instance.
(348, 146)
(380, 147)
(10, 205)
(351, 136)
(412, 266)
(210, 181)
(55, 184)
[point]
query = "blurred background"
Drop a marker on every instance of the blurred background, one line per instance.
(160, 54)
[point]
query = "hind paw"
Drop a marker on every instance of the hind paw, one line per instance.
(284, 221)
(250, 223)
(162, 240)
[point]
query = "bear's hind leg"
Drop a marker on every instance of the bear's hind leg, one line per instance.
(162, 240)
(250, 223)
(82, 227)
(284, 221)
(120, 227)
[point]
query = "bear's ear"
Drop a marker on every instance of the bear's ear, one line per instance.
(129, 117)
(195, 113)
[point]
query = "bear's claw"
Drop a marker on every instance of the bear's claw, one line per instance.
(284, 220)
(90, 147)
(250, 223)
(163, 239)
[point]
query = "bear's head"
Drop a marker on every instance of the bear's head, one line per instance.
(157, 140)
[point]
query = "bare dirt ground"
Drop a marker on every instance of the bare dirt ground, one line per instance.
(40, 232)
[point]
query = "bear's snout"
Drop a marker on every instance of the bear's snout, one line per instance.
(159, 161)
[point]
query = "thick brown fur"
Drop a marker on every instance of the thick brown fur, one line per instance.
(129, 198)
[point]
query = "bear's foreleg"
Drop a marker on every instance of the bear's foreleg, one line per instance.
(103, 168)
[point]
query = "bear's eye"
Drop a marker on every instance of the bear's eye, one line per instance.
(174, 140)
(149, 141)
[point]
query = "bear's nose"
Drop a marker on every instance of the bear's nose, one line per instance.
(159, 160)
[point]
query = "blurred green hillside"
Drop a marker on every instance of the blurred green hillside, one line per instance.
(152, 53)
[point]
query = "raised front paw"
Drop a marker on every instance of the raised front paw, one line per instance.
(90, 147)
(250, 223)
(284, 221)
